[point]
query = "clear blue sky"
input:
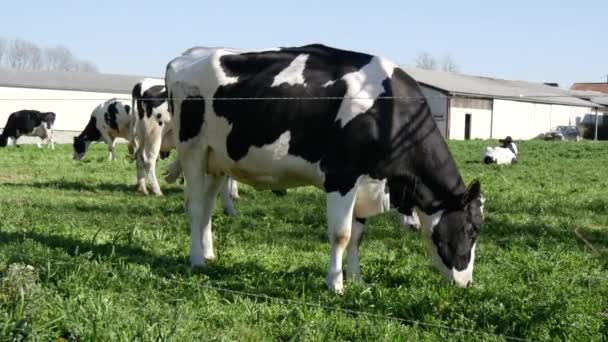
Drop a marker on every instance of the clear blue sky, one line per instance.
(528, 40)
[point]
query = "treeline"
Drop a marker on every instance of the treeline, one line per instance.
(21, 54)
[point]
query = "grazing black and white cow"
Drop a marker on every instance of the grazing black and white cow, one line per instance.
(109, 120)
(354, 125)
(504, 154)
(30, 123)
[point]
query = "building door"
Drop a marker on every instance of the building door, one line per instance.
(467, 126)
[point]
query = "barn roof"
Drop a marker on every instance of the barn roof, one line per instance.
(600, 87)
(78, 81)
(477, 86)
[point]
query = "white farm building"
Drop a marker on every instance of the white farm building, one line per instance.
(70, 95)
(464, 107)
(472, 107)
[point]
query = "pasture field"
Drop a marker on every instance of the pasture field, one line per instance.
(110, 264)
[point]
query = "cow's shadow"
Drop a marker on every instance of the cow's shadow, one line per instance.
(97, 187)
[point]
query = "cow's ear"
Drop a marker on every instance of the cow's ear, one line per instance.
(128, 109)
(473, 192)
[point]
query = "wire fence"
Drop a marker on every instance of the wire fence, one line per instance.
(292, 302)
(312, 98)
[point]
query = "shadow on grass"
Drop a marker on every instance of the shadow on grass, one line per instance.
(531, 234)
(88, 187)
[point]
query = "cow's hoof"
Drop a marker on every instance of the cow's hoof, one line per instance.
(335, 288)
(143, 189)
(197, 262)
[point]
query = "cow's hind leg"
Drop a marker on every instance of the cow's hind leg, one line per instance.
(226, 196)
(141, 175)
(352, 250)
(150, 149)
(339, 221)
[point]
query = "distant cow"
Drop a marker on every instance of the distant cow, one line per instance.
(109, 120)
(354, 125)
(30, 123)
(504, 154)
(152, 131)
(153, 135)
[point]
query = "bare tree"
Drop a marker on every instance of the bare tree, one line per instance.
(59, 58)
(426, 61)
(86, 66)
(17, 54)
(24, 55)
(448, 64)
(2, 49)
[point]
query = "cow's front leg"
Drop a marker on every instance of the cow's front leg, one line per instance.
(339, 222)
(110, 142)
(352, 250)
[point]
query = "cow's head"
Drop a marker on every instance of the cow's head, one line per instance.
(510, 144)
(80, 147)
(452, 235)
(3, 141)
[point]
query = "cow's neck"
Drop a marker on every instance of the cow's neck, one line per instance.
(423, 169)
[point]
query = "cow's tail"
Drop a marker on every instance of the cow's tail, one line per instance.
(133, 141)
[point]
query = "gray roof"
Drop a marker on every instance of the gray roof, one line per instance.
(79, 81)
(466, 85)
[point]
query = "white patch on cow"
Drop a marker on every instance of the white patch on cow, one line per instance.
(293, 74)
(339, 223)
(266, 167)
(328, 83)
(410, 222)
(220, 74)
(281, 146)
(363, 87)
(465, 277)
(371, 198)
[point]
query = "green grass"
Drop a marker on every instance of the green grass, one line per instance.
(110, 264)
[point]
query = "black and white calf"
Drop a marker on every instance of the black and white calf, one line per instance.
(30, 123)
(504, 154)
(153, 133)
(362, 132)
(152, 130)
(109, 120)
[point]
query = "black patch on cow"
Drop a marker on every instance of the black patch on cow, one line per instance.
(136, 96)
(164, 154)
(488, 160)
(153, 98)
(396, 139)
(128, 109)
(48, 118)
(110, 115)
(360, 220)
(90, 133)
(259, 122)
(191, 117)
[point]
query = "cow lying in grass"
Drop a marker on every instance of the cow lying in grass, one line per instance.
(363, 133)
(109, 120)
(504, 154)
(31, 123)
